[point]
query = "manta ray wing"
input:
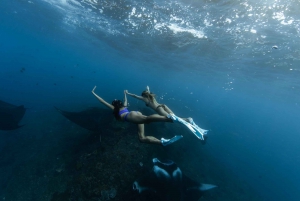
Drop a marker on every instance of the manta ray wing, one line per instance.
(93, 118)
(168, 183)
(10, 116)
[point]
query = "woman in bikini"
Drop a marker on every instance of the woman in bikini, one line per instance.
(121, 113)
(161, 109)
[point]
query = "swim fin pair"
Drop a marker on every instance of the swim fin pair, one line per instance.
(196, 130)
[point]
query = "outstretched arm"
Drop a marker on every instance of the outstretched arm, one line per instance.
(125, 98)
(134, 96)
(101, 100)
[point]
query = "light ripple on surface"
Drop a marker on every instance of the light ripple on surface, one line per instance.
(222, 31)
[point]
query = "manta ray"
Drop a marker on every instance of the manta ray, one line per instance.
(166, 182)
(10, 116)
(93, 118)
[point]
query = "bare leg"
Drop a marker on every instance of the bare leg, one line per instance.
(157, 118)
(167, 109)
(146, 139)
(139, 118)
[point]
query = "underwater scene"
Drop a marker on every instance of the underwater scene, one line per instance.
(149, 100)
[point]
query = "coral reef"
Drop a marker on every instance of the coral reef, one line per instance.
(105, 167)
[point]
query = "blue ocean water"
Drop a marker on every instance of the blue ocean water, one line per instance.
(231, 65)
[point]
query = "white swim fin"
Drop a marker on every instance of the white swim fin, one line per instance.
(166, 142)
(196, 130)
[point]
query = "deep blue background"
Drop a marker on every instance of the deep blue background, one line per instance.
(235, 85)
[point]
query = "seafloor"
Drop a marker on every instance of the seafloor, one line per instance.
(53, 159)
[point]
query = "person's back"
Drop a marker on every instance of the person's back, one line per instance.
(163, 110)
(150, 100)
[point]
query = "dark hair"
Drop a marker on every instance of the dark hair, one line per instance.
(117, 105)
(149, 95)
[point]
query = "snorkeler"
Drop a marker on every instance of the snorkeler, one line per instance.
(162, 109)
(121, 113)
(150, 100)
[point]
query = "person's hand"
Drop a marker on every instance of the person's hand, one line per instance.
(93, 91)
